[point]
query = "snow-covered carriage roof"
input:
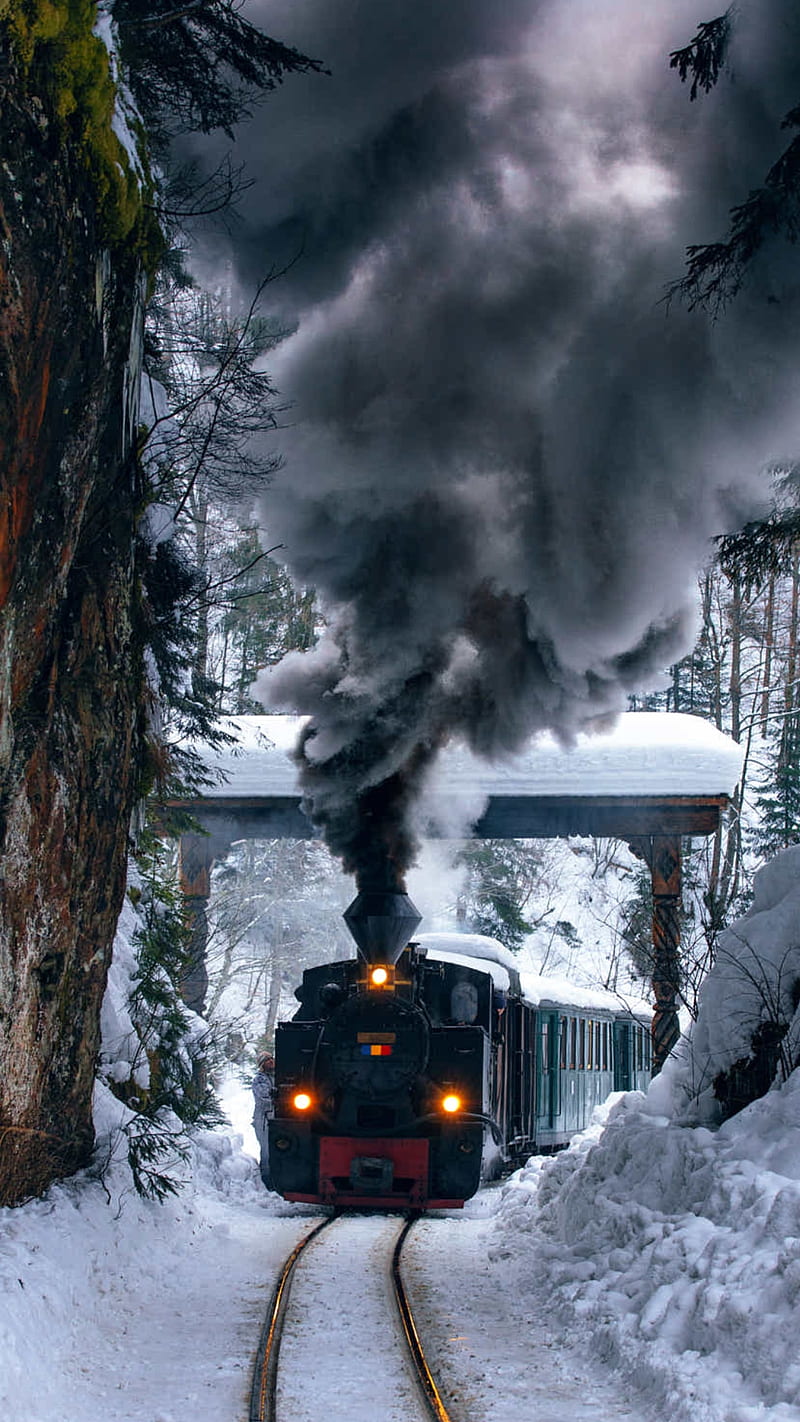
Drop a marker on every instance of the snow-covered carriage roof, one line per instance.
(477, 951)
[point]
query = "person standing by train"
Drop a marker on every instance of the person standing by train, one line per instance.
(264, 1109)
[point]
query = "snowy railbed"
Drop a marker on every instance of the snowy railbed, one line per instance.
(115, 1307)
(673, 1252)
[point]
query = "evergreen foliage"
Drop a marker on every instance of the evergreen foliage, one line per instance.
(172, 590)
(715, 271)
(704, 56)
(175, 1052)
(765, 547)
(499, 882)
(197, 66)
(263, 617)
(778, 803)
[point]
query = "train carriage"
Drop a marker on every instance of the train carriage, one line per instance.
(402, 1085)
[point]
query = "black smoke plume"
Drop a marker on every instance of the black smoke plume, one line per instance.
(507, 456)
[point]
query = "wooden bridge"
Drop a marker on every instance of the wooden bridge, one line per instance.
(651, 780)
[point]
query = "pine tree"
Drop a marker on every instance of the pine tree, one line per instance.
(715, 271)
(778, 804)
(263, 617)
(501, 875)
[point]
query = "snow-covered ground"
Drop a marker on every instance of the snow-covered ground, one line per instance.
(653, 1269)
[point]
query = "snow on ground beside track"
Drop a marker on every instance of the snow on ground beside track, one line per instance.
(661, 1250)
(113, 1309)
(652, 1269)
(671, 1253)
(495, 1351)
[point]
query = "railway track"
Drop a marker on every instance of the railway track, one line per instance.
(345, 1337)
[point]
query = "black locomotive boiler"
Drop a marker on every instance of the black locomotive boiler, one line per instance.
(419, 1068)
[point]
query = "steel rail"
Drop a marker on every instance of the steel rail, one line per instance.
(427, 1381)
(265, 1372)
(263, 1395)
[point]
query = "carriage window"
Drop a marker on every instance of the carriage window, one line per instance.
(597, 1034)
(464, 1002)
(573, 1041)
(563, 1042)
(545, 1046)
(606, 1035)
(647, 1051)
(581, 1043)
(588, 1044)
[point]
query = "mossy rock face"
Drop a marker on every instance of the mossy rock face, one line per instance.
(66, 66)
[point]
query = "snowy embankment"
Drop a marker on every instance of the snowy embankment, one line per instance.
(666, 1249)
(673, 1249)
(118, 1309)
(114, 1308)
(673, 1253)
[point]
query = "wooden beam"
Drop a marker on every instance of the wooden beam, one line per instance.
(662, 854)
(506, 816)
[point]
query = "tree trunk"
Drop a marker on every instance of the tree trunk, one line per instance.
(769, 634)
(70, 661)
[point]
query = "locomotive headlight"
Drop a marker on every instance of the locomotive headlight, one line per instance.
(301, 1101)
(379, 977)
(451, 1104)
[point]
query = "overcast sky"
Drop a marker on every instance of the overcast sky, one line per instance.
(507, 456)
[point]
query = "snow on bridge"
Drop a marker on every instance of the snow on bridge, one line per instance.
(650, 772)
(650, 779)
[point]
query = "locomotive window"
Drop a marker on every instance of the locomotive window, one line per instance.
(562, 1055)
(581, 1044)
(464, 1002)
(573, 1041)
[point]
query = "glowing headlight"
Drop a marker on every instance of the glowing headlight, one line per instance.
(301, 1101)
(379, 977)
(451, 1104)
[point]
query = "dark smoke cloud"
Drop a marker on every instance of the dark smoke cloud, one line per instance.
(507, 455)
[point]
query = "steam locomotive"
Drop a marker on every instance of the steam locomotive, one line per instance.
(420, 1068)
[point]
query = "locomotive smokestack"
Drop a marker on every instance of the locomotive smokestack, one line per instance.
(381, 922)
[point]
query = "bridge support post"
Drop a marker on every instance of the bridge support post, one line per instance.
(196, 854)
(662, 855)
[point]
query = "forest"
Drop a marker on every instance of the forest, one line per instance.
(146, 589)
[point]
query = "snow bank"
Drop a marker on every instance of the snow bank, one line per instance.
(755, 980)
(675, 1252)
(672, 1248)
(94, 1279)
(116, 1307)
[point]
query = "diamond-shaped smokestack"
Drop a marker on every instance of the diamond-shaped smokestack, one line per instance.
(382, 922)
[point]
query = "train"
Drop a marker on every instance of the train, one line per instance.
(410, 1075)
